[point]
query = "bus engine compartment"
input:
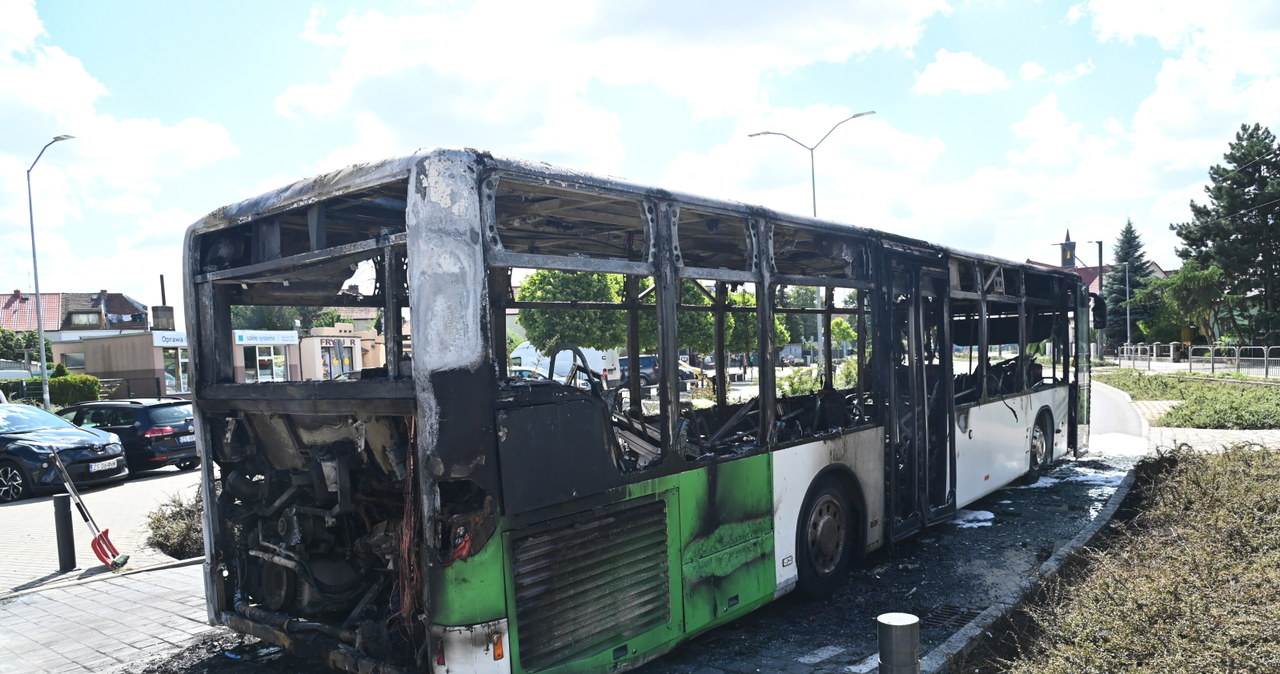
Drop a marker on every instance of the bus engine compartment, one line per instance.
(313, 512)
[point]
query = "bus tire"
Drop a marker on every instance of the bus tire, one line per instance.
(1040, 447)
(824, 539)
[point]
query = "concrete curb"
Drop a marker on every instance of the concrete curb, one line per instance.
(104, 576)
(1146, 425)
(960, 644)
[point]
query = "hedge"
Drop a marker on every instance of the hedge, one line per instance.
(63, 391)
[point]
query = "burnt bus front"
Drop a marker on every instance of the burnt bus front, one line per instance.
(331, 494)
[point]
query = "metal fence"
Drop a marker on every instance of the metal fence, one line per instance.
(1254, 361)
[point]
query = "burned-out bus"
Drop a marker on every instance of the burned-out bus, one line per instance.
(433, 512)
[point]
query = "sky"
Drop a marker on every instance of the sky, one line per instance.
(999, 125)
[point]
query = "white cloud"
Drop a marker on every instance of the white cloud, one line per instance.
(1080, 70)
(92, 196)
(1031, 71)
(960, 71)
(374, 141)
(680, 47)
(1236, 35)
(1051, 138)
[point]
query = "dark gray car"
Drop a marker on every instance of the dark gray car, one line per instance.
(28, 438)
(156, 432)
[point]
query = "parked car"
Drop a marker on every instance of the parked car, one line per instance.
(526, 373)
(28, 438)
(648, 369)
(687, 371)
(156, 432)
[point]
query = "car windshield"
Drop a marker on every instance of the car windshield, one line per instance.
(24, 419)
(171, 414)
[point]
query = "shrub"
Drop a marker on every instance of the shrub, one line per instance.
(799, 381)
(59, 370)
(177, 526)
(63, 391)
(1246, 408)
(72, 389)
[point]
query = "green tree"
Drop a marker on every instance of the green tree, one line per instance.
(800, 326)
(593, 328)
(842, 332)
(1128, 250)
(262, 317)
(12, 345)
(1238, 229)
(742, 329)
(317, 317)
(1195, 296)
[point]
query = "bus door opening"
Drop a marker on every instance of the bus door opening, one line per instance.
(922, 472)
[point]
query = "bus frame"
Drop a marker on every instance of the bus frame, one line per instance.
(437, 514)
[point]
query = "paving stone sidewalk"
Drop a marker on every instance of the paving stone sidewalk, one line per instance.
(105, 624)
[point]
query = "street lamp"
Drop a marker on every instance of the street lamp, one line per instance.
(813, 190)
(35, 276)
(813, 180)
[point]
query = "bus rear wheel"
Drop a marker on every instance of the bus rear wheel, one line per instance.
(1038, 452)
(824, 542)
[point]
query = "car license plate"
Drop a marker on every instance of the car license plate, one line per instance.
(187, 438)
(102, 465)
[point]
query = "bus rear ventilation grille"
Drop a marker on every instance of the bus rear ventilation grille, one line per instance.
(589, 582)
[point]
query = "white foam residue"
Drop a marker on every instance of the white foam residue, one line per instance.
(969, 519)
(1042, 483)
(1101, 478)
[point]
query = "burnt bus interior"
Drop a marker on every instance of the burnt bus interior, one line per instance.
(320, 499)
(1011, 330)
(718, 287)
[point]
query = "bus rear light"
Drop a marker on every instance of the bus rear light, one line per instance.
(497, 646)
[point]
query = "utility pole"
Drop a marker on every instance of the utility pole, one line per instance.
(1101, 294)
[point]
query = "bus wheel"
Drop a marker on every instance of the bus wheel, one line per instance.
(825, 539)
(1039, 450)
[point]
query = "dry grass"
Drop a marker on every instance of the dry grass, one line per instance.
(176, 527)
(1192, 583)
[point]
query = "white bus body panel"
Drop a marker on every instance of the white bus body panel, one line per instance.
(794, 470)
(993, 441)
(470, 648)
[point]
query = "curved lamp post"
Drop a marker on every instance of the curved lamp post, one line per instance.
(813, 189)
(35, 275)
(813, 180)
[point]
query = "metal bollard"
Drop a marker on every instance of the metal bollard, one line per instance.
(66, 537)
(899, 635)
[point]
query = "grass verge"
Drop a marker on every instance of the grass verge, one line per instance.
(1229, 403)
(1187, 581)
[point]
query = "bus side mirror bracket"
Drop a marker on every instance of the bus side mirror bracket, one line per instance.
(1099, 311)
